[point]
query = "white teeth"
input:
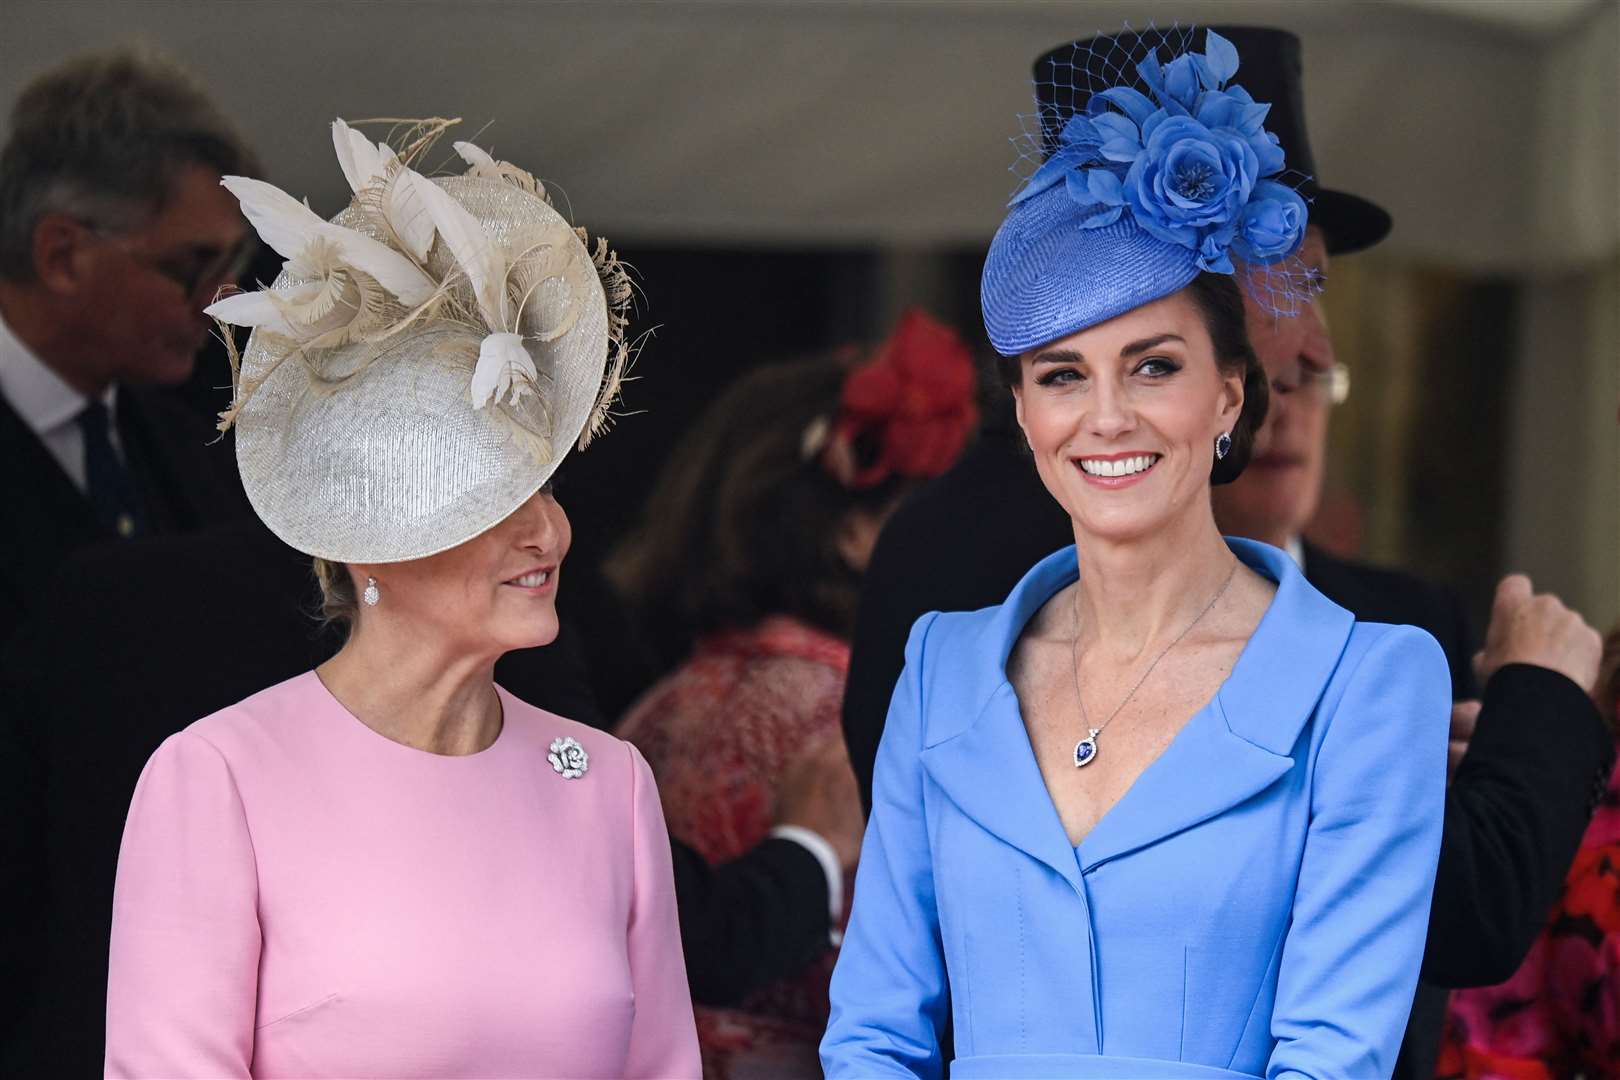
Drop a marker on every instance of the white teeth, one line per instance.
(534, 580)
(1119, 466)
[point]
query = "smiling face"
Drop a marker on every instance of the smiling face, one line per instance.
(1278, 493)
(1122, 418)
(495, 593)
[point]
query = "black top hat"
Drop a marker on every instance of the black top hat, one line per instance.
(1271, 71)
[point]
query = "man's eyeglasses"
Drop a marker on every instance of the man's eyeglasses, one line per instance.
(194, 267)
(1330, 386)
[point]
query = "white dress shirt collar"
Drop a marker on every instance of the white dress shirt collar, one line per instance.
(47, 404)
(1296, 551)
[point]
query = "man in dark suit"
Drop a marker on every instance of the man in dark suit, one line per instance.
(142, 639)
(114, 234)
(1524, 787)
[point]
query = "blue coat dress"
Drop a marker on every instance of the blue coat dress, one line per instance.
(1255, 905)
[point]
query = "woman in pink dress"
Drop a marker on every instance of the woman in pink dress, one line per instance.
(390, 866)
(754, 546)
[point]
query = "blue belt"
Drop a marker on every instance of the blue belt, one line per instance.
(1084, 1067)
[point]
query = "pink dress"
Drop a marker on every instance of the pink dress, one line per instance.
(299, 896)
(719, 732)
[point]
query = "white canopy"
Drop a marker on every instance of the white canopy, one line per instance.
(1487, 127)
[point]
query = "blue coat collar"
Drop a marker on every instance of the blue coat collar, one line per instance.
(1233, 748)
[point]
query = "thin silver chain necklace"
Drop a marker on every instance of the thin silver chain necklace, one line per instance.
(1085, 751)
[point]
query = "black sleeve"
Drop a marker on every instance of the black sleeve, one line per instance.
(1460, 647)
(1515, 813)
(751, 921)
(877, 653)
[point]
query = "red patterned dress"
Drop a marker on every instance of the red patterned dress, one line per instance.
(1559, 1016)
(719, 732)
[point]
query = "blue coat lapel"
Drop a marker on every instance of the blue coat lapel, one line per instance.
(1205, 771)
(989, 771)
(980, 754)
(1231, 750)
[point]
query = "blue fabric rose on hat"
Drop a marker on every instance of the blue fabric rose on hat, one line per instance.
(1271, 225)
(1189, 184)
(1191, 163)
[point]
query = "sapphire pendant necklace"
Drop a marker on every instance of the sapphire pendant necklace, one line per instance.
(1085, 751)
(1086, 748)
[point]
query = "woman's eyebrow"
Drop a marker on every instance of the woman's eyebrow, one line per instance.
(1149, 343)
(1058, 356)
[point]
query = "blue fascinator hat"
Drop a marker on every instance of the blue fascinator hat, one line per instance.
(1162, 170)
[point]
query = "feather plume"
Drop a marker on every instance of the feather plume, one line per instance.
(407, 217)
(413, 137)
(280, 220)
(254, 309)
(374, 168)
(483, 164)
(290, 227)
(328, 311)
(535, 441)
(504, 365)
(479, 257)
(549, 254)
(620, 292)
(233, 356)
(361, 160)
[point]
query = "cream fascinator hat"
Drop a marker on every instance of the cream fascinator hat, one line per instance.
(425, 360)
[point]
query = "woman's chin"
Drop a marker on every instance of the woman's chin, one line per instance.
(1120, 524)
(526, 633)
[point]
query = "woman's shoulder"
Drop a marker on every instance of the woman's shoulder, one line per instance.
(955, 632)
(1383, 647)
(244, 738)
(938, 637)
(235, 729)
(954, 665)
(1305, 636)
(1310, 660)
(1391, 683)
(989, 632)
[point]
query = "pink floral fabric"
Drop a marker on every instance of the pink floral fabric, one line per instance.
(1559, 1016)
(719, 732)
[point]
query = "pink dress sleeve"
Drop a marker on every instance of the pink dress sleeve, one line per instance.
(182, 980)
(663, 1035)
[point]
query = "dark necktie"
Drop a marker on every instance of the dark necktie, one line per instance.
(112, 493)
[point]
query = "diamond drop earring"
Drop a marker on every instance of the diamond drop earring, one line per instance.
(371, 595)
(1223, 445)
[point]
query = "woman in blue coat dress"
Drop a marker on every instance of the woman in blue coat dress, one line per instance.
(1167, 811)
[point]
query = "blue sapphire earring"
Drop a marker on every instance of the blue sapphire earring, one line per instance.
(1223, 445)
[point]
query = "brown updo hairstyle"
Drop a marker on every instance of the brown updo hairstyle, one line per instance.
(743, 523)
(1220, 301)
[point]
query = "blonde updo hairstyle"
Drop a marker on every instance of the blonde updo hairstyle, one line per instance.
(340, 604)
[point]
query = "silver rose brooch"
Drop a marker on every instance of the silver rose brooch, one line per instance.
(568, 757)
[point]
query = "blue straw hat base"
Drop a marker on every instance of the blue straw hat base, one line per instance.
(1047, 277)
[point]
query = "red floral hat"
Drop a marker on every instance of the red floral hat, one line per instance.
(907, 412)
